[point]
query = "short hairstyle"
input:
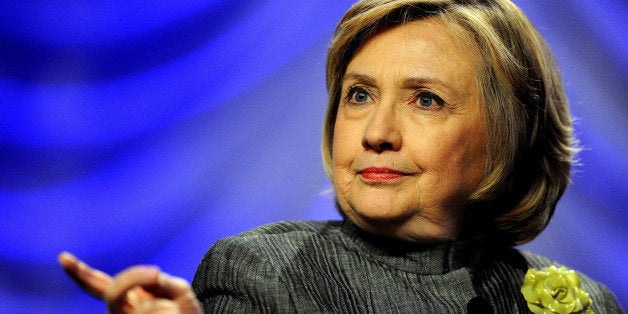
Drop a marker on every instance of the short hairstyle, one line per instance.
(530, 143)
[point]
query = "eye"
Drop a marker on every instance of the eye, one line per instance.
(358, 95)
(428, 99)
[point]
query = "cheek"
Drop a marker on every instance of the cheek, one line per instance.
(345, 147)
(477, 147)
(454, 158)
(345, 144)
(472, 157)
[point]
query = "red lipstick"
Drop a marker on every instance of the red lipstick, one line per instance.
(380, 174)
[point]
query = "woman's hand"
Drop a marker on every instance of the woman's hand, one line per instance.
(138, 289)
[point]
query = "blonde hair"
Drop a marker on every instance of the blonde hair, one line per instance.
(530, 136)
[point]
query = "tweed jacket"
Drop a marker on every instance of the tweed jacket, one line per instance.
(336, 267)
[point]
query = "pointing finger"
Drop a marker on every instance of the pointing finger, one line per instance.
(89, 279)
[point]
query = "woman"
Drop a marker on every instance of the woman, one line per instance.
(448, 140)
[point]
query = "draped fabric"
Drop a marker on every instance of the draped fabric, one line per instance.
(137, 132)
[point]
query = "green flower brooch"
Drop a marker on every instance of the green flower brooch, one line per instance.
(555, 290)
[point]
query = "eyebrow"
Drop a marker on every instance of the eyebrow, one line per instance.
(359, 77)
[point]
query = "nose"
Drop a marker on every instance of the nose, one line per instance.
(382, 132)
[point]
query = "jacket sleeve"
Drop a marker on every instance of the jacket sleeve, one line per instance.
(604, 300)
(235, 276)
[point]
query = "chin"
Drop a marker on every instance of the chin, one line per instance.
(405, 227)
(386, 215)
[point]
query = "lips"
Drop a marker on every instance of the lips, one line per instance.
(380, 174)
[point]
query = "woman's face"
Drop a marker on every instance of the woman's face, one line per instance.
(409, 137)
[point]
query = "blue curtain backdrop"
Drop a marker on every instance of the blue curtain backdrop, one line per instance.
(143, 131)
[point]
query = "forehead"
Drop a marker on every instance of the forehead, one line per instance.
(426, 46)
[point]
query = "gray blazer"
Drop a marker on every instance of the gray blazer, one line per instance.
(334, 266)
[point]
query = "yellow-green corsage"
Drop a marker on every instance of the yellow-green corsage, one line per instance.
(555, 290)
